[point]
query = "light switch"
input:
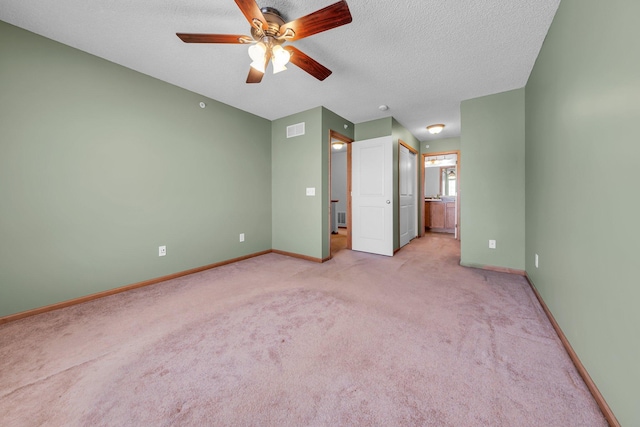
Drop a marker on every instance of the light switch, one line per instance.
(311, 191)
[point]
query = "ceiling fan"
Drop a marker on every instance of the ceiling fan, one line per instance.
(269, 33)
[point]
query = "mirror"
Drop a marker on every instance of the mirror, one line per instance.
(440, 176)
(448, 178)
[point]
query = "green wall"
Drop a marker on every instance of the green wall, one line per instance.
(582, 117)
(373, 128)
(297, 165)
(99, 165)
(399, 132)
(440, 145)
(492, 181)
(301, 222)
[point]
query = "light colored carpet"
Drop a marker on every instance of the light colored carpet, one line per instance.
(276, 341)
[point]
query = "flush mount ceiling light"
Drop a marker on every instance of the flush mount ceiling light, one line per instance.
(269, 32)
(337, 145)
(435, 129)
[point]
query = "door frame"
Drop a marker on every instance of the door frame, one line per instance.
(458, 196)
(335, 135)
(418, 188)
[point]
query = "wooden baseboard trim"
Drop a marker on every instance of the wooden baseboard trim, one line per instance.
(294, 255)
(604, 407)
(87, 298)
(498, 269)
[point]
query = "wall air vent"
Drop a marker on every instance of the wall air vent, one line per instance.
(295, 130)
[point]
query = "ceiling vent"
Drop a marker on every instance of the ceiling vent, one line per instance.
(295, 130)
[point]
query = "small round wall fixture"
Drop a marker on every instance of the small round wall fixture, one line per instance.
(435, 129)
(202, 105)
(383, 107)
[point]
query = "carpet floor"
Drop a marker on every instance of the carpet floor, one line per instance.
(412, 340)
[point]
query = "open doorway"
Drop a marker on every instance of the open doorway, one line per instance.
(340, 189)
(441, 192)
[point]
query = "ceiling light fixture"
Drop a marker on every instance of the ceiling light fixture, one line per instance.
(337, 145)
(268, 49)
(280, 58)
(435, 129)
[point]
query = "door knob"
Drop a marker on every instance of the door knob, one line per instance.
(388, 201)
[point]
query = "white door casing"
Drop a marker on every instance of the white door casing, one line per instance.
(408, 204)
(372, 195)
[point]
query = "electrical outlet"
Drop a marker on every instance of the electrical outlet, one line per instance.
(311, 191)
(536, 260)
(242, 237)
(162, 250)
(492, 244)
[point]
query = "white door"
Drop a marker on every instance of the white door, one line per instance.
(372, 195)
(408, 205)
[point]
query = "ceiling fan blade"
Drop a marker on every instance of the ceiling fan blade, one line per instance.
(213, 38)
(254, 76)
(251, 11)
(308, 64)
(321, 20)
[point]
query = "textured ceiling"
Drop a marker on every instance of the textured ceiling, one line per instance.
(419, 57)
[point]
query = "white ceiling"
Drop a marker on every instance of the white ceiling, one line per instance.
(419, 57)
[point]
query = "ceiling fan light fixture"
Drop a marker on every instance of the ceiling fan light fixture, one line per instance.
(269, 30)
(435, 129)
(257, 52)
(278, 67)
(280, 55)
(280, 58)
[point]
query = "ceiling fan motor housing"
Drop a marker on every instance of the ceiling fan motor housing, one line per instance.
(274, 21)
